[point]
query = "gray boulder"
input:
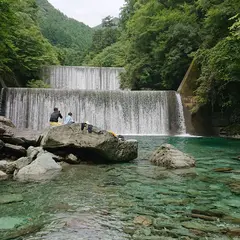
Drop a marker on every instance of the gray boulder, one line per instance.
(43, 168)
(97, 146)
(32, 152)
(3, 165)
(171, 158)
(3, 176)
(7, 128)
(7, 166)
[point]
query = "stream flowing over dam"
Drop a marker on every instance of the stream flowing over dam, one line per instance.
(124, 112)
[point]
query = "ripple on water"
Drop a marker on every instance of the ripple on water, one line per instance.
(106, 202)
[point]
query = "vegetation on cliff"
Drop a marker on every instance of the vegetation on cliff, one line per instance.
(71, 38)
(159, 39)
(23, 49)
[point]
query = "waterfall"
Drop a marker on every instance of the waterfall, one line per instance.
(181, 118)
(88, 78)
(124, 112)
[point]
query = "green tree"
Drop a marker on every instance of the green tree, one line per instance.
(25, 50)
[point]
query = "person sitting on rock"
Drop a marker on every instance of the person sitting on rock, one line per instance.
(69, 119)
(54, 117)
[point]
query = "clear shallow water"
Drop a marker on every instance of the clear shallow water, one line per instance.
(105, 201)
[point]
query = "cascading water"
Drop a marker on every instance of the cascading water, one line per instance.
(124, 112)
(106, 106)
(87, 78)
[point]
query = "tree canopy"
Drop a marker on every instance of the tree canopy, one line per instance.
(23, 48)
(159, 39)
(71, 38)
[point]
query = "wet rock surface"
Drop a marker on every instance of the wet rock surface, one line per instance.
(96, 146)
(171, 158)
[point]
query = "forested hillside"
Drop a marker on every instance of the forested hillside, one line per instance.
(23, 49)
(159, 39)
(71, 37)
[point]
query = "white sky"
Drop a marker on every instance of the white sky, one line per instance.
(90, 12)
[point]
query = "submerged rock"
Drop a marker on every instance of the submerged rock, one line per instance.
(44, 167)
(143, 220)
(96, 146)
(171, 158)
(10, 198)
(7, 223)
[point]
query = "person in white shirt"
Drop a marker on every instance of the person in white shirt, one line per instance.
(69, 119)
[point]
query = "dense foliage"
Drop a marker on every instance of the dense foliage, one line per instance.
(159, 39)
(103, 49)
(23, 49)
(71, 38)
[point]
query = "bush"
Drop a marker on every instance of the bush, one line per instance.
(37, 84)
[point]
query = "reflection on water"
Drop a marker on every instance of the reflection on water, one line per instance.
(136, 200)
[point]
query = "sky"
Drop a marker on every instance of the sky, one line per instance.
(90, 12)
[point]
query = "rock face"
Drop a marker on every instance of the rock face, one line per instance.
(44, 167)
(171, 158)
(7, 128)
(97, 146)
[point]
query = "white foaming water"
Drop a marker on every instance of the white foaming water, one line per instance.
(181, 118)
(124, 112)
(87, 78)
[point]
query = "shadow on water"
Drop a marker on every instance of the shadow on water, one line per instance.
(135, 200)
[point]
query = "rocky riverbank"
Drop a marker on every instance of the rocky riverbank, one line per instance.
(34, 156)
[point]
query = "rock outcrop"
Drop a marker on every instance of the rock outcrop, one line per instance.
(171, 158)
(95, 146)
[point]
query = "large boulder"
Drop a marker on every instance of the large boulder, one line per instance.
(43, 168)
(7, 128)
(94, 146)
(171, 158)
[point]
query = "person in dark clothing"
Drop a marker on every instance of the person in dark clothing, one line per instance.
(54, 117)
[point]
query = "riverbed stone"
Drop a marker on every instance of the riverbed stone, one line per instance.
(8, 223)
(10, 198)
(95, 146)
(3, 165)
(3, 176)
(43, 168)
(202, 227)
(171, 158)
(235, 187)
(143, 220)
(72, 159)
